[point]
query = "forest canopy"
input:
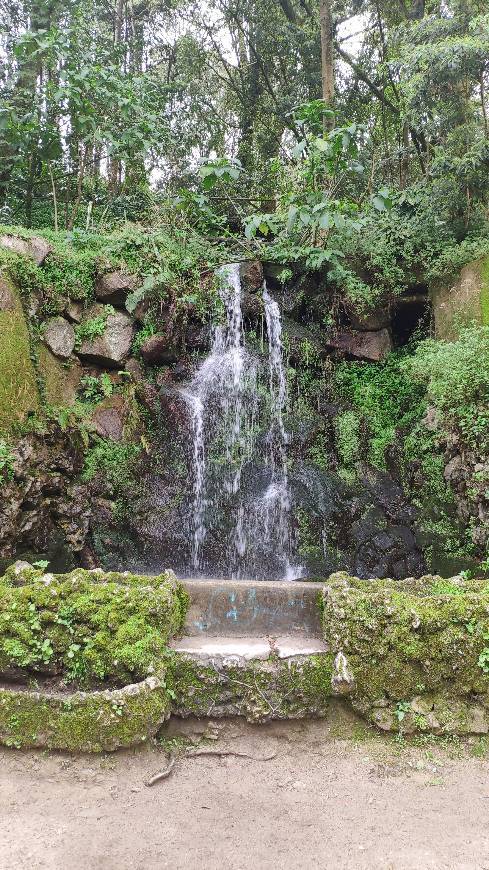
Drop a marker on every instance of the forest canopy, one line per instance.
(312, 130)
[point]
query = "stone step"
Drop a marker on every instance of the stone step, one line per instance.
(247, 608)
(246, 649)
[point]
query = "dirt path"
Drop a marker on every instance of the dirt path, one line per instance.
(326, 801)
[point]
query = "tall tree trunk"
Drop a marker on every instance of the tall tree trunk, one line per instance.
(327, 59)
(114, 163)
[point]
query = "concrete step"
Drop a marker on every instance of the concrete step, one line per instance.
(246, 649)
(247, 608)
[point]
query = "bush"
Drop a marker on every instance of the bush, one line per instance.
(456, 375)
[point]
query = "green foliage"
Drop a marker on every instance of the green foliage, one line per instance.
(115, 462)
(456, 375)
(95, 388)
(93, 327)
(347, 427)
(6, 461)
(385, 397)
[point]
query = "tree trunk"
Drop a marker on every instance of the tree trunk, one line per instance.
(327, 59)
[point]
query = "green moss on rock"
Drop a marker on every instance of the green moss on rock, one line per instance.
(18, 386)
(259, 690)
(87, 626)
(84, 722)
(411, 654)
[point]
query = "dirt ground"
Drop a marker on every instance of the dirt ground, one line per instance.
(334, 797)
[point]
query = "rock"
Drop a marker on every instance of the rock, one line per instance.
(372, 346)
(251, 274)
(113, 347)
(302, 344)
(7, 297)
(198, 337)
(342, 680)
(462, 303)
(135, 369)
(371, 321)
(384, 719)
(36, 248)
(114, 287)
(59, 336)
(109, 418)
(74, 312)
(251, 305)
(157, 350)
(61, 380)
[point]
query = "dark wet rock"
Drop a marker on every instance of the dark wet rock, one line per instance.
(114, 287)
(198, 337)
(109, 418)
(59, 336)
(302, 344)
(159, 350)
(251, 274)
(43, 509)
(370, 321)
(135, 369)
(372, 346)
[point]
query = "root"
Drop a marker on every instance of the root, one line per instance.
(164, 774)
(196, 752)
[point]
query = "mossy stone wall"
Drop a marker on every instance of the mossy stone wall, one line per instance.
(19, 393)
(411, 655)
(465, 301)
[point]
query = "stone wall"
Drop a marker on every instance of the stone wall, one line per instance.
(463, 302)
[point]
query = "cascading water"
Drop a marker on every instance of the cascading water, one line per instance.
(231, 476)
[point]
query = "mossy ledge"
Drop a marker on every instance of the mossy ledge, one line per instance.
(260, 690)
(84, 721)
(411, 656)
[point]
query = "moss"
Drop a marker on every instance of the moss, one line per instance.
(18, 387)
(61, 381)
(484, 292)
(100, 721)
(412, 648)
(259, 690)
(88, 626)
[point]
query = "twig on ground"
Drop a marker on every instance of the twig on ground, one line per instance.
(193, 754)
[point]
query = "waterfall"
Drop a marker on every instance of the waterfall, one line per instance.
(226, 422)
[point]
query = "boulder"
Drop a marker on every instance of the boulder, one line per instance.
(114, 287)
(135, 369)
(59, 336)
(157, 350)
(251, 274)
(109, 418)
(370, 321)
(465, 301)
(373, 346)
(61, 381)
(74, 312)
(36, 248)
(112, 348)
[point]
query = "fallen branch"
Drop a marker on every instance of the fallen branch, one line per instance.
(193, 754)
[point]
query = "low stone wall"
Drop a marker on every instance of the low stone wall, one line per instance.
(84, 721)
(411, 656)
(259, 690)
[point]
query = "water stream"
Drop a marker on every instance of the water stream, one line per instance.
(236, 403)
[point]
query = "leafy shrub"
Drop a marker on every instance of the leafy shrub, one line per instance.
(6, 461)
(456, 375)
(92, 328)
(386, 398)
